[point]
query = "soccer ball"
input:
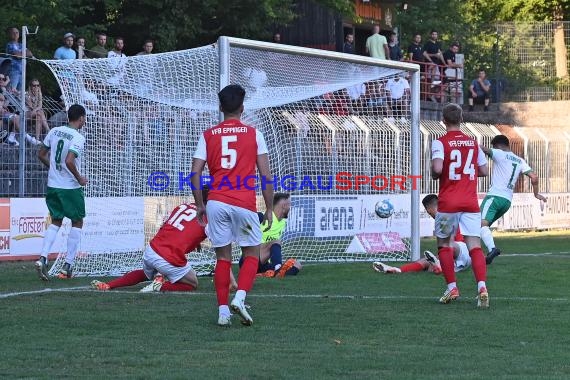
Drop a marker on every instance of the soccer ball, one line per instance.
(384, 209)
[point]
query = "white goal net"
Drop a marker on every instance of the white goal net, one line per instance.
(342, 131)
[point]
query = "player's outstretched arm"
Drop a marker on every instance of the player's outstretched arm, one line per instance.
(487, 151)
(267, 188)
(437, 157)
(534, 182)
(197, 168)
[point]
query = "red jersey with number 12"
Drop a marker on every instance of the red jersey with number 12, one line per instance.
(232, 150)
(458, 180)
(181, 233)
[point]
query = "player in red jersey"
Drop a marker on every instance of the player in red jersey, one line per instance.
(166, 255)
(232, 151)
(457, 161)
(430, 262)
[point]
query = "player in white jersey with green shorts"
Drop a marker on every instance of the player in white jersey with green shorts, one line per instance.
(61, 152)
(507, 167)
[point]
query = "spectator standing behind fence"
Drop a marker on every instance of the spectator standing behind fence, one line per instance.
(99, 50)
(277, 38)
(14, 49)
(432, 53)
(148, 46)
(399, 90)
(66, 51)
(34, 103)
(394, 48)
(376, 45)
(416, 50)
(348, 46)
(80, 47)
(452, 75)
(479, 91)
(118, 49)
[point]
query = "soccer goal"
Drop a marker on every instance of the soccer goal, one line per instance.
(342, 131)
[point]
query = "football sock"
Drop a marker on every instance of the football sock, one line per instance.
(480, 285)
(451, 285)
(222, 281)
(275, 256)
(413, 267)
(49, 238)
(224, 310)
(176, 287)
(447, 263)
(478, 264)
(487, 238)
(247, 272)
(129, 279)
(72, 243)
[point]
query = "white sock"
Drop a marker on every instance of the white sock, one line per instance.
(49, 238)
(451, 285)
(487, 238)
(72, 243)
(481, 284)
(224, 310)
(240, 295)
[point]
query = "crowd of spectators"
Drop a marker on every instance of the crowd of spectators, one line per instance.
(72, 47)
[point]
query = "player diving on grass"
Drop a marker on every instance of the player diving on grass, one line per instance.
(430, 262)
(165, 255)
(270, 257)
(507, 168)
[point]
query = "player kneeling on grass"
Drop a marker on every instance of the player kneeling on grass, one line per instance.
(270, 257)
(165, 255)
(430, 262)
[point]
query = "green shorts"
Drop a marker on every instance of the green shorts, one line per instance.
(66, 203)
(493, 207)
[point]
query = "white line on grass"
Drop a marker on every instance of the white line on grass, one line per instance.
(297, 296)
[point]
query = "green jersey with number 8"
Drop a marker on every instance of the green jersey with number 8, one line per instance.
(60, 141)
(507, 167)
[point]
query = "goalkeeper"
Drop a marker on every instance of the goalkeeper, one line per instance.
(430, 262)
(270, 257)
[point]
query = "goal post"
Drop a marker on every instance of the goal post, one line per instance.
(342, 131)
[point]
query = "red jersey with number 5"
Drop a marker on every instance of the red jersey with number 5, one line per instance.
(181, 233)
(230, 150)
(458, 181)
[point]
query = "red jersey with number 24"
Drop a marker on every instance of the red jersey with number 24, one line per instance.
(181, 233)
(230, 150)
(458, 181)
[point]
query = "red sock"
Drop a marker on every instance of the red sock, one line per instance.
(447, 263)
(129, 279)
(176, 287)
(222, 281)
(416, 266)
(247, 272)
(478, 263)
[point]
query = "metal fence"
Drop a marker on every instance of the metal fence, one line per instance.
(532, 57)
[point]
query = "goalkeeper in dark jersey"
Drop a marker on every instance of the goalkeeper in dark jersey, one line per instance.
(270, 257)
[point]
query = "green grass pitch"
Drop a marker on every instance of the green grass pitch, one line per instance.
(333, 321)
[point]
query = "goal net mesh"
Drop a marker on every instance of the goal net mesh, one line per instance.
(322, 118)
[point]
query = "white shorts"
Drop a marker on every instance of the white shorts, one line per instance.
(446, 224)
(228, 223)
(153, 263)
(463, 260)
